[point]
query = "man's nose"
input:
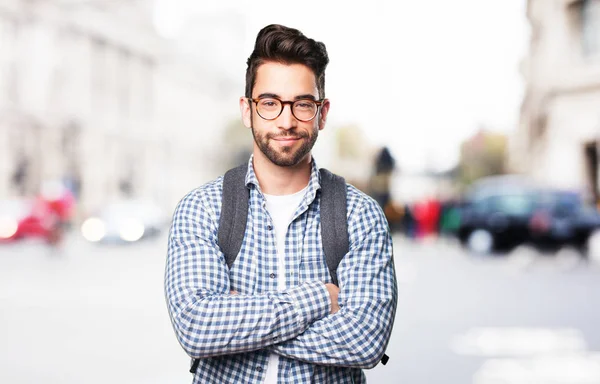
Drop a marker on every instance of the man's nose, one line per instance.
(286, 119)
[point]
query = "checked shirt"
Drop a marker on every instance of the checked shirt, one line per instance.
(232, 335)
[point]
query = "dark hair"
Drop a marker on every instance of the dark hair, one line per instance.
(288, 46)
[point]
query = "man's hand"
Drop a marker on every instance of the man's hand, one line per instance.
(334, 291)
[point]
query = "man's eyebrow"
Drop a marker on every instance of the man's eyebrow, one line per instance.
(276, 96)
(269, 95)
(304, 97)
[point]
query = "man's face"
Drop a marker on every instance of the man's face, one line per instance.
(285, 141)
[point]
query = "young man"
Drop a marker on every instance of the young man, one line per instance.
(275, 316)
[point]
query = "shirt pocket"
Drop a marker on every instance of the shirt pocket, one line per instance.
(313, 266)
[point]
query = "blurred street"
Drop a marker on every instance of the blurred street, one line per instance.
(457, 126)
(89, 313)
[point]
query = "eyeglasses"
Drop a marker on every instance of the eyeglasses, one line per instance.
(270, 108)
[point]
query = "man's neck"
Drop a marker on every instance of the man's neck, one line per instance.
(276, 180)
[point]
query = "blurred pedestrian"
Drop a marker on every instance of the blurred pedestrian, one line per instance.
(275, 316)
(59, 203)
(408, 222)
(427, 214)
(379, 184)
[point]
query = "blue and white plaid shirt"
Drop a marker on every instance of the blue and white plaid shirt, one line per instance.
(232, 335)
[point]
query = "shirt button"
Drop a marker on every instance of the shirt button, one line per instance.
(259, 369)
(270, 227)
(272, 275)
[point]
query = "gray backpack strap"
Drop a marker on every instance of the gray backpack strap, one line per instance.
(234, 212)
(334, 222)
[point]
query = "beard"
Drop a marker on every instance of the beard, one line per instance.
(285, 156)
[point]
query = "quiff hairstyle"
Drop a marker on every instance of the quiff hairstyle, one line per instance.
(287, 46)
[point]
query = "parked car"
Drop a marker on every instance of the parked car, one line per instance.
(26, 218)
(125, 221)
(502, 212)
(562, 217)
(496, 220)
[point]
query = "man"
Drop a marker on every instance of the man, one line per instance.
(275, 316)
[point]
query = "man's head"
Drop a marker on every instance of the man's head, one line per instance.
(285, 101)
(287, 46)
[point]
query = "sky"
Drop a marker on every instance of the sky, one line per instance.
(417, 76)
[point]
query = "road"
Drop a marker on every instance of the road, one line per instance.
(96, 314)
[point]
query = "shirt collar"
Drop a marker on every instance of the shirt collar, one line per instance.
(314, 183)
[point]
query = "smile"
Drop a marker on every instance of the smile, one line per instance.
(287, 140)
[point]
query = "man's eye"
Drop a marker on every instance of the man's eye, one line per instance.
(306, 105)
(268, 103)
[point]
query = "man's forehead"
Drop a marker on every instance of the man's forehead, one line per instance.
(288, 80)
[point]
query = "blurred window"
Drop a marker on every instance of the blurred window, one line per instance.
(560, 203)
(483, 205)
(590, 27)
(514, 204)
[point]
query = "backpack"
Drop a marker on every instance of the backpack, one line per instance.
(334, 223)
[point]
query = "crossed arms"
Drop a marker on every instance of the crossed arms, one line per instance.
(301, 323)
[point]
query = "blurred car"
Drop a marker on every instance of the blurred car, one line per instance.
(26, 218)
(562, 217)
(125, 221)
(505, 211)
(499, 218)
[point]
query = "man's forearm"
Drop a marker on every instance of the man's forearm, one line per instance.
(357, 335)
(347, 338)
(220, 324)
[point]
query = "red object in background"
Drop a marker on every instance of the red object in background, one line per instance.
(38, 223)
(427, 214)
(43, 217)
(29, 218)
(540, 223)
(63, 206)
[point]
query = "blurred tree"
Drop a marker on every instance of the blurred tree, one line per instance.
(484, 154)
(350, 142)
(353, 155)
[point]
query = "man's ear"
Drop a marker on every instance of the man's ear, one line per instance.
(323, 114)
(246, 112)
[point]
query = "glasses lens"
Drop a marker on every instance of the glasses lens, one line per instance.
(269, 108)
(305, 109)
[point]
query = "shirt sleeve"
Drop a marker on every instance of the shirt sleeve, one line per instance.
(207, 319)
(357, 335)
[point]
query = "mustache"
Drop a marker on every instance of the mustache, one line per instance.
(288, 136)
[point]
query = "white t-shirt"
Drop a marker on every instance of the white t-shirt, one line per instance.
(281, 209)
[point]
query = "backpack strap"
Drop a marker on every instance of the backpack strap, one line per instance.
(234, 212)
(334, 222)
(334, 225)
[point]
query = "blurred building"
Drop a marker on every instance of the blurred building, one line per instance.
(92, 95)
(557, 140)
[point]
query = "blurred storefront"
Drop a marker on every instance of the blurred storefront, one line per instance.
(558, 137)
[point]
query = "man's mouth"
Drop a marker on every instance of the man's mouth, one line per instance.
(286, 140)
